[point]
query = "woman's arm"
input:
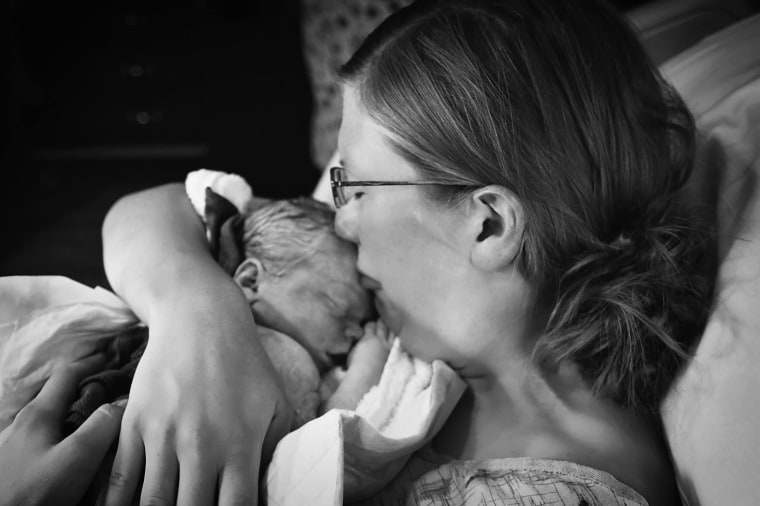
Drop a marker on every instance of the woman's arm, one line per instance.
(205, 404)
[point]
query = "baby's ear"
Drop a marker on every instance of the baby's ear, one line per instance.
(247, 277)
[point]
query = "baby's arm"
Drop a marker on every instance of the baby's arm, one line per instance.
(365, 365)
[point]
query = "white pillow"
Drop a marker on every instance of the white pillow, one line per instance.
(712, 415)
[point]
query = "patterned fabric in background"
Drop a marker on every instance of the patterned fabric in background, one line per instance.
(332, 31)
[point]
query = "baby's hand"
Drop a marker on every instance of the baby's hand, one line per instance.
(371, 351)
(365, 366)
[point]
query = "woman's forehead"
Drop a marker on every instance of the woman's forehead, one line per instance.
(356, 131)
(363, 145)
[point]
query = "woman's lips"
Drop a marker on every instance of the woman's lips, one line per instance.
(369, 283)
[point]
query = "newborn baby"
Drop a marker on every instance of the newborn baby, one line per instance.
(301, 281)
(302, 284)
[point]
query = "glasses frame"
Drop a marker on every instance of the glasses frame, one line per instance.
(340, 200)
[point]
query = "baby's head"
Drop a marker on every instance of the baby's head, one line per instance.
(301, 278)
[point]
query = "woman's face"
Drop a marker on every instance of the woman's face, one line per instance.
(411, 251)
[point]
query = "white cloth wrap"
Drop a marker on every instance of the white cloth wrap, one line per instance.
(348, 455)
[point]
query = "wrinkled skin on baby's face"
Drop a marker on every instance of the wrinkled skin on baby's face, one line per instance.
(319, 303)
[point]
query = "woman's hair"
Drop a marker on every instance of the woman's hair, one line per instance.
(558, 102)
(283, 233)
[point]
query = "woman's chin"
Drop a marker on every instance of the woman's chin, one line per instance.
(388, 315)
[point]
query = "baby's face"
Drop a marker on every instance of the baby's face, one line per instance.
(320, 303)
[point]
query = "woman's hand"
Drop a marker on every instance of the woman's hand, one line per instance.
(200, 418)
(37, 466)
(205, 404)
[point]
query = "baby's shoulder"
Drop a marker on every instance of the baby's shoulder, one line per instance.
(298, 372)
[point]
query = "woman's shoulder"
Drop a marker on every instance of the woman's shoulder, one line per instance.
(431, 479)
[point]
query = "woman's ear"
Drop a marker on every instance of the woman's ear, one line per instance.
(247, 277)
(498, 222)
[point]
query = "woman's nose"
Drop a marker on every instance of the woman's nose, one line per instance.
(345, 222)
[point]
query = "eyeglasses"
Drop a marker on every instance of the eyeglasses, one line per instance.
(339, 184)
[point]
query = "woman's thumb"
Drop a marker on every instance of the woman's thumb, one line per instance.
(90, 442)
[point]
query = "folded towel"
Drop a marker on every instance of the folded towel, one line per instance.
(349, 455)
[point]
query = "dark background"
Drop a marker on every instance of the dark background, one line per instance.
(105, 98)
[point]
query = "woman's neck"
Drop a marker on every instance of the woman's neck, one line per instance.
(506, 414)
(523, 413)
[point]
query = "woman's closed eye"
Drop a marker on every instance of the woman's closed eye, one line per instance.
(354, 194)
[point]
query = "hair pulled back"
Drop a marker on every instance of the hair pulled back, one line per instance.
(558, 102)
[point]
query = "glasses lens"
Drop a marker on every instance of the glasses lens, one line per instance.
(336, 176)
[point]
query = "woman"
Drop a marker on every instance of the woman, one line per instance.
(511, 177)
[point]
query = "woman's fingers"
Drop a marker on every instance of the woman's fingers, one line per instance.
(93, 438)
(239, 480)
(86, 448)
(161, 474)
(49, 407)
(56, 394)
(197, 482)
(127, 469)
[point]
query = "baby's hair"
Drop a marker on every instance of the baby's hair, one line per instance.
(558, 102)
(283, 233)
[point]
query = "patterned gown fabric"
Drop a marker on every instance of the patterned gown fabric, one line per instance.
(433, 480)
